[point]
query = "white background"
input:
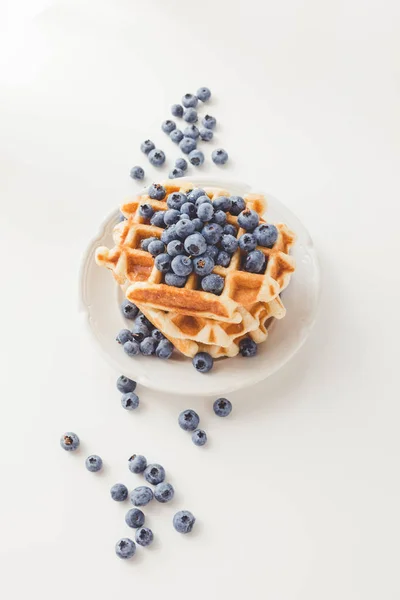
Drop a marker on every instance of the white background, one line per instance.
(297, 495)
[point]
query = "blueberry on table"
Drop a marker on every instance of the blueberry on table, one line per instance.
(125, 548)
(132, 348)
(147, 146)
(137, 173)
(177, 110)
(213, 283)
(188, 420)
(93, 463)
(183, 521)
(157, 192)
(137, 463)
(164, 492)
(130, 401)
(175, 280)
(222, 407)
(134, 518)
(164, 349)
(168, 126)
(144, 536)
(199, 437)
(255, 262)
(248, 219)
(189, 100)
(219, 156)
(156, 157)
(181, 265)
(191, 131)
(209, 122)
(195, 244)
(141, 495)
(176, 173)
(119, 492)
(125, 335)
(247, 347)
(203, 94)
(247, 242)
(181, 163)
(196, 158)
(146, 211)
(190, 115)
(187, 144)
(266, 235)
(238, 204)
(125, 385)
(206, 134)
(154, 474)
(176, 136)
(69, 441)
(202, 361)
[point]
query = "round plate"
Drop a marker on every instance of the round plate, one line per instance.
(101, 297)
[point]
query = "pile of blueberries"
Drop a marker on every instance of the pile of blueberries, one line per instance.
(186, 139)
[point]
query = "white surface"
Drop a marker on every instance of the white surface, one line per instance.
(297, 496)
(101, 299)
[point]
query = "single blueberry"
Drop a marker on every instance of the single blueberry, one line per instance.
(203, 94)
(125, 548)
(247, 242)
(177, 110)
(212, 233)
(198, 224)
(169, 234)
(222, 407)
(206, 134)
(138, 336)
(163, 262)
(229, 243)
(157, 247)
(119, 492)
(194, 194)
(209, 122)
(164, 349)
(147, 146)
(164, 492)
(130, 401)
(137, 173)
(266, 235)
(134, 518)
(219, 156)
(211, 251)
(142, 320)
(157, 335)
(184, 228)
(148, 346)
(145, 243)
(171, 216)
(176, 136)
(203, 200)
(187, 145)
(203, 265)
(144, 536)
(175, 173)
(154, 474)
(203, 362)
(189, 100)
(222, 203)
(191, 131)
(168, 126)
(132, 348)
(69, 441)
(196, 158)
(146, 211)
(124, 336)
(175, 248)
(158, 219)
(247, 347)
(141, 495)
(181, 163)
(137, 463)
(125, 385)
(175, 280)
(190, 115)
(189, 209)
(213, 283)
(223, 259)
(156, 157)
(182, 265)
(199, 437)
(230, 229)
(220, 218)
(129, 310)
(195, 244)
(255, 262)
(176, 200)
(188, 420)
(93, 463)
(183, 521)
(238, 204)
(157, 192)
(248, 219)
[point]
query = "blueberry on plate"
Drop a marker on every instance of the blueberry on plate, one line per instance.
(190, 115)
(125, 385)
(223, 259)
(203, 265)
(199, 437)
(248, 219)
(209, 122)
(177, 110)
(93, 463)
(238, 204)
(156, 157)
(203, 94)
(168, 126)
(222, 407)
(213, 283)
(156, 247)
(125, 335)
(266, 235)
(184, 228)
(134, 518)
(183, 521)
(137, 463)
(148, 346)
(125, 548)
(247, 242)
(175, 173)
(181, 266)
(129, 310)
(146, 211)
(212, 233)
(144, 536)
(176, 136)
(164, 349)
(203, 362)
(188, 420)
(142, 320)
(255, 262)
(130, 401)
(176, 200)
(206, 134)
(187, 144)
(191, 131)
(196, 158)
(181, 163)
(137, 173)
(195, 245)
(219, 156)
(158, 219)
(147, 146)
(154, 474)
(164, 492)
(119, 492)
(132, 347)
(69, 441)
(189, 100)
(163, 262)
(195, 194)
(157, 192)
(141, 495)
(247, 347)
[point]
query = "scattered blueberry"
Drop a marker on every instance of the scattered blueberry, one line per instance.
(255, 262)
(164, 349)
(137, 463)
(247, 242)
(146, 211)
(187, 145)
(124, 336)
(209, 122)
(168, 126)
(223, 259)
(148, 346)
(69, 441)
(157, 192)
(163, 262)
(93, 463)
(176, 136)
(175, 248)
(220, 218)
(211, 251)
(158, 219)
(177, 110)
(129, 310)
(145, 243)
(125, 548)
(164, 492)
(247, 347)
(206, 134)
(199, 437)
(183, 521)
(196, 158)
(266, 235)
(222, 203)
(175, 173)
(189, 100)
(119, 492)
(125, 385)
(175, 280)
(137, 173)
(238, 204)
(176, 200)
(248, 219)
(222, 407)
(203, 265)
(182, 265)
(130, 401)
(195, 194)
(203, 362)
(219, 156)
(212, 233)
(141, 495)
(195, 244)
(188, 420)
(190, 115)
(156, 157)
(144, 536)
(191, 131)
(229, 243)
(169, 234)
(181, 163)
(184, 228)
(230, 230)
(134, 518)
(132, 347)
(154, 474)
(213, 283)
(203, 94)
(147, 146)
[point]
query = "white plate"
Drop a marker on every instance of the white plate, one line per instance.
(101, 297)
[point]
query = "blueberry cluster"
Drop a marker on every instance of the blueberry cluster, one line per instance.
(188, 421)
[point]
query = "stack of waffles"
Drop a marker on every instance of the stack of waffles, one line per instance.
(192, 319)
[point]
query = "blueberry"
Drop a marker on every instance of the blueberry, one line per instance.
(266, 235)
(142, 330)
(175, 280)
(220, 218)
(157, 335)
(181, 163)
(119, 492)
(247, 242)
(223, 259)
(175, 248)
(188, 420)
(168, 126)
(125, 385)
(190, 115)
(229, 243)
(157, 192)
(69, 441)
(222, 203)
(238, 204)
(154, 474)
(145, 243)
(209, 122)
(230, 230)
(134, 518)
(183, 521)
(203, 200)
(130, 401)
(203, 94)
(132, 348)
(124, 336)
(93, 463)
(206, 134)
(146, 211)
(182, 265)
(169, 234)
(158, 219)
(156, 157)
(189, 100)
(144, 536)
(247, 347)
(137, 463)
(129, 310)
(255, 262)
(163, 262)
(196, 158)
(184, 215)
(203, 265)
(199, 437)
(176, 200)
(148, 346)
(219, 156)
(176, 136)
(175, 173)
(137, 173)
(187, 145)
(248, 219)
(147, 146)
(184, 228)
(141, 495)
(198, 224)
(171, 216)
(125, 548)
(212, 233)
(213, 283)
(203, 362)
(177, 110)
(195, 244)
(191, 131)
(156, 247)
(211, 251)
(164, 349)
(189, 209)
(142, 320)
(121, 218)
(195, 194)
(222, 407)
(164, 492)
